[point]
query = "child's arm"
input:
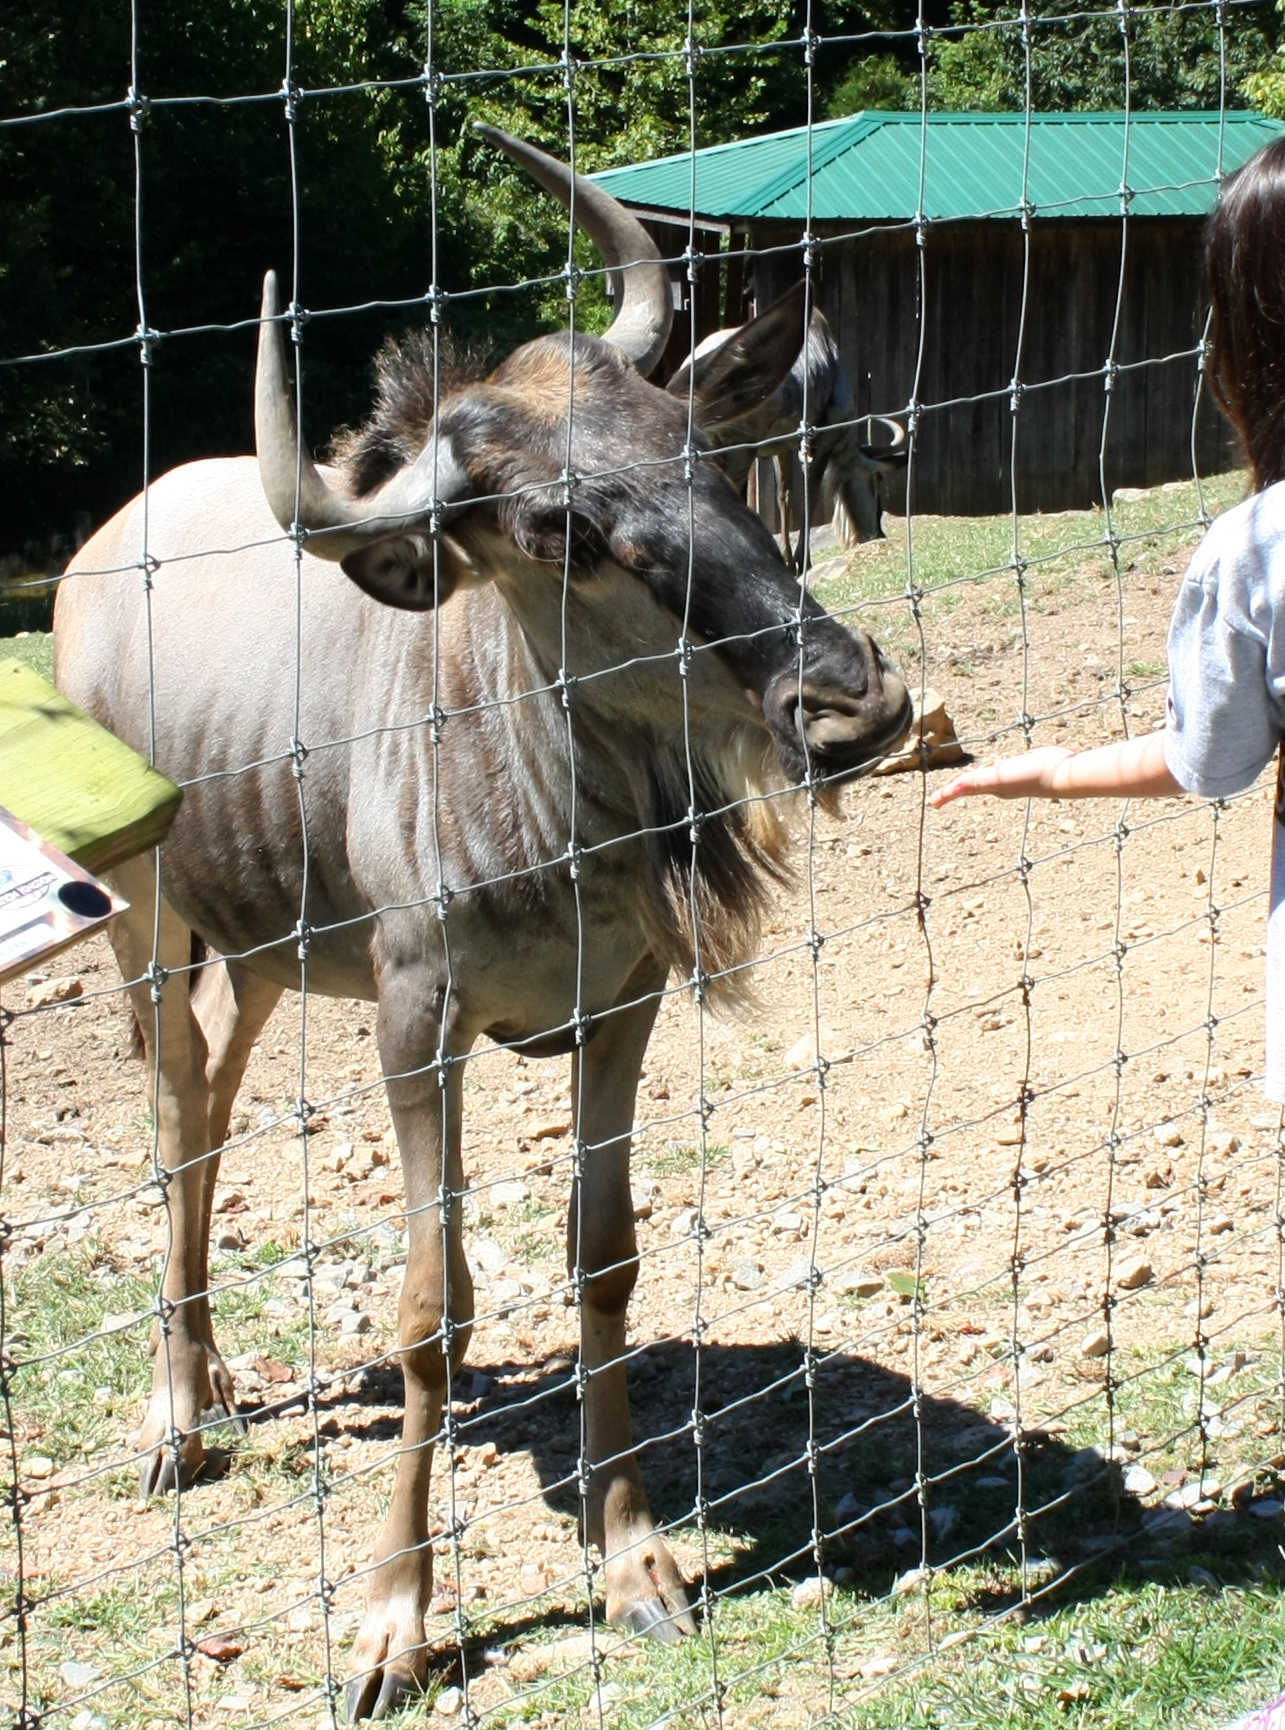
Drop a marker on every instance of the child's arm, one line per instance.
(1129, 769)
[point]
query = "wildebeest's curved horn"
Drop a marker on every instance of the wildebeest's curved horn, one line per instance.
(893, 446)
(336, 526)
(639, 281)
(283, 466)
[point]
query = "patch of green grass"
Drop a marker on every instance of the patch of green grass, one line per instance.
(86, 1389)
(684, 1156)
(1060, 550)
(84, 1398)
(109, 1629)
(1148, 669)
(34, 650)
(529, 1246)
(1144, 1655)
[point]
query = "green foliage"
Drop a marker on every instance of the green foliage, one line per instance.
(1265, 88)
(877, 81)
(1078, 62)
(374, 167)
(396, 193)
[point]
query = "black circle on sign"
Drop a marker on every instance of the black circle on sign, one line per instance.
(85, 899)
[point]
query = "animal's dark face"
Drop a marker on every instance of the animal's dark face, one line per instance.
(646, 497)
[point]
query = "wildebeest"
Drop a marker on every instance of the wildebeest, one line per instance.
(512, 818)
(843, 474)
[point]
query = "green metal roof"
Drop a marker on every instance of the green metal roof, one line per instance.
(867, 167)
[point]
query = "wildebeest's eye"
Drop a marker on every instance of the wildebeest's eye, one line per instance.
(542, 534)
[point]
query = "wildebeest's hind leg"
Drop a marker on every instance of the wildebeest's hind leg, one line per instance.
(390, 1659)
(231, 1006)
(175, 1051)
(645, 1592)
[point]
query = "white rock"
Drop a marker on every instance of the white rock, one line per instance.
(355, 1322)
(1135, 1274)
(114, 1324)
(449, 1702)
(1095, 1345)
(1138, 1481)
(508, 1195)
(809, 1594)
(1167, 1134)
(78, 1675)
(488, 1257)
(54, 991)
(862, 1285)
(943, 1520)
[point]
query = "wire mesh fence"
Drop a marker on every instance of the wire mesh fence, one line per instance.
(957, 1324)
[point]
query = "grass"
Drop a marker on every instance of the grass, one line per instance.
(681, 1157)
(1064, 553)
(82, 1401)
(1146, 1655)
(35, 650)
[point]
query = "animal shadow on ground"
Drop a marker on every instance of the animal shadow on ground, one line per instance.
(758, 1415)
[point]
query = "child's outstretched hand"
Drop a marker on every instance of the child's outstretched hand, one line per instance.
(1024, 777)
(1129, 769)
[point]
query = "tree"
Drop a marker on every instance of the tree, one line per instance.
(216, 206)
(978, 62)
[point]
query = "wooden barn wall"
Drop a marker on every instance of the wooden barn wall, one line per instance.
(869, 289)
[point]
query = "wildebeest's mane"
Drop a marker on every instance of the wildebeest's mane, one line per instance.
(398, 428)
(706, 903)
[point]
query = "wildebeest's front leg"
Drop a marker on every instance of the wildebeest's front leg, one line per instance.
(183, 1394)
(644, 1588)
(390, 1659)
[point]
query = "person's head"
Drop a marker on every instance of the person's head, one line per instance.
(1245, 279)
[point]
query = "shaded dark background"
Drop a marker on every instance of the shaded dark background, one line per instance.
(214, 193)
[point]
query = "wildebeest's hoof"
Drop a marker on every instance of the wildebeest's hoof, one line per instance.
(166, 1468)
(222, 1407)
(379, 1692)
(389, 1657)
(655, 1620)
(645, 1594)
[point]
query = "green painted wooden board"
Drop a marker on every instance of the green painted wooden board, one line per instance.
(75, 783)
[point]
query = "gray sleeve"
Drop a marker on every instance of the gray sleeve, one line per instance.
(1224, 721)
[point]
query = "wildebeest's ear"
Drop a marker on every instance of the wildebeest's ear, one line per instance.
(743, 371)
(410, 571)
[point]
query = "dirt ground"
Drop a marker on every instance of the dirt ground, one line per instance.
(912, 1156)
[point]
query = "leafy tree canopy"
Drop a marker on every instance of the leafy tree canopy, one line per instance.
(981, 61)
(396, 192)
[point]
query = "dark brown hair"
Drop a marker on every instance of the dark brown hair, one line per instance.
(1245, 280)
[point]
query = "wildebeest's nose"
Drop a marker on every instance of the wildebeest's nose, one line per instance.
(843, 718)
